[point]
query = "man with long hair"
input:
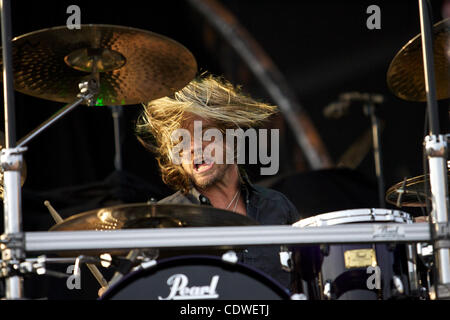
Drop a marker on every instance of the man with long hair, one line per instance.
(203, 180)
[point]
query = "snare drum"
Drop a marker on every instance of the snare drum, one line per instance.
(354, 271)
(196, 278)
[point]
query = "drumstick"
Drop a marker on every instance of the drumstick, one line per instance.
(93, 268)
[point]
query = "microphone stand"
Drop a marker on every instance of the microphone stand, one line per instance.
(11, 162)
(369, 101)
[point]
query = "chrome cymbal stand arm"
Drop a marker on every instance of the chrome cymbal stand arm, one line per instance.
(436, 149)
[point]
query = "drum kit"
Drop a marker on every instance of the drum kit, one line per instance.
(329, 256)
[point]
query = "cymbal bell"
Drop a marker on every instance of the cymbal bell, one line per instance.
(410, 193)
(405, 76)
(133, 65)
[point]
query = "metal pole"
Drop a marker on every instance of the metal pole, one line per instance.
(428, 64)
(80, 241)
(11, 160)
(10, 119)
(88, 91)
(436, 147)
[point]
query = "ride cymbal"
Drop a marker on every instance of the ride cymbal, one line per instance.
(405, 76)
(143, 215)
(133, 66)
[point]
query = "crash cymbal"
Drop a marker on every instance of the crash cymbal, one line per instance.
(405, 76)
(23, 172)
(134, 66)
(411, 192)
(143, 215)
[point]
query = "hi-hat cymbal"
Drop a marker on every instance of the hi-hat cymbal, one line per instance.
(134, 66)
(405, 76)
(143, 215)
(410, 193)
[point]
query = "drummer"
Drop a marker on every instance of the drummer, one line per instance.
(214, 103)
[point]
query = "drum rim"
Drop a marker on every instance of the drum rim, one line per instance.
(280, 290)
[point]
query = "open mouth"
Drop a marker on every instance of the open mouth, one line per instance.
(203, 166)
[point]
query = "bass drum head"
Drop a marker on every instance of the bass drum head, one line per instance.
(197, 278)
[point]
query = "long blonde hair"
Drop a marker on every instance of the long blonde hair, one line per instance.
(209, 97)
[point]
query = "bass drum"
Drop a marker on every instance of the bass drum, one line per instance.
(372, 271)
(196, 278)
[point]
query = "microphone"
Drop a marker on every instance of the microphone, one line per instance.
(340, 108)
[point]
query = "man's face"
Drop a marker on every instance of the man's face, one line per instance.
(206, 172)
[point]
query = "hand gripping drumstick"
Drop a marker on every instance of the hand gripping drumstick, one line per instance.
(93, 268)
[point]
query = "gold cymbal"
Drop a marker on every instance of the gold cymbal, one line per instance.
(411, 192)
(133, 65)
(23, 172)
(405, 76)
(143, 215)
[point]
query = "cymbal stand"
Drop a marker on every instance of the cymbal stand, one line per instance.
(436, 150)
(11, 162)
(368, 100)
